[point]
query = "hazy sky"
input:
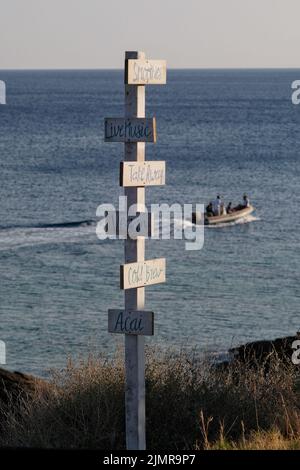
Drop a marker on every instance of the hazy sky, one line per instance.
(187, 33)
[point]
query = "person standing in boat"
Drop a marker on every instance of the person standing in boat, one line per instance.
(216, 205)
(229, 208)
(246, 202)
(223, 209)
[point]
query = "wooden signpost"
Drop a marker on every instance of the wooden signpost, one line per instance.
(136, 173)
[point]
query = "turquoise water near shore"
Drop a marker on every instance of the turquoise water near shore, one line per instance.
(225, 131)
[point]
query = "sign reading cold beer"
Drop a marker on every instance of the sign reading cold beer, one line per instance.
(143, 273)
(142, 173)
(145, 72)
(130, 130)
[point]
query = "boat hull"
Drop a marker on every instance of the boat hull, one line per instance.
(223, 219)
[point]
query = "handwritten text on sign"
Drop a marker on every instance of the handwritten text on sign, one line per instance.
(145, 72)
(143, 273)
(142, 173)
(130, 130)
(132, 322)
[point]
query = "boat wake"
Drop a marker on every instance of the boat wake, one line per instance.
(244, 220)
(187, 223)
(15, 237)
(77, 223)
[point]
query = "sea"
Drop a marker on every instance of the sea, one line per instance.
(220, 132)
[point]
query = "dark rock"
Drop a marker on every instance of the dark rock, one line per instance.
(15, 386)
(263, 352)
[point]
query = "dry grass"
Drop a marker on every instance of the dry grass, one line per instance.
(190, 405)
(258, 440)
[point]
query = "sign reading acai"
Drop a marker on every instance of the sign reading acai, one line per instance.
(132, 322)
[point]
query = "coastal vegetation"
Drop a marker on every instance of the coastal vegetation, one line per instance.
(191, 404)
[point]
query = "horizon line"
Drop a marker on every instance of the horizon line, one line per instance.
(122, 69)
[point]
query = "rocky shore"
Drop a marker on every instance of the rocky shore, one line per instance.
(262, 352)
(16, 385)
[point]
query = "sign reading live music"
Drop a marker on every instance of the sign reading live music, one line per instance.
(130, 130)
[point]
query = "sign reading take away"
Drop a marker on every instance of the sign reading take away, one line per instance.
(145, 72)
(143, 273)
(130, 130)
(132, 322)
(146, 173)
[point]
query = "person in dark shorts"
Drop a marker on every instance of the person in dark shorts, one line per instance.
(209, 210)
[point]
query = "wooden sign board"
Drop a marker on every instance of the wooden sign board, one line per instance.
(144, 273)
(121, 225)
(142, 173)
(130, 130)
(132, 322)
(145, 72)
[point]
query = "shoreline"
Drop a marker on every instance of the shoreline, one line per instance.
(251, 402)
(256, 353)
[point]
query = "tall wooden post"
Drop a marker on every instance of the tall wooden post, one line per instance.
(135, 298)
(136, 273)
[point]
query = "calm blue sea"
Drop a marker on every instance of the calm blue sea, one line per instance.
(226, 131)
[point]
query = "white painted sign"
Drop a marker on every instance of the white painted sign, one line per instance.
(142, 173)
(145, 72)
(143, 273)
(130, 130)
(132, 322)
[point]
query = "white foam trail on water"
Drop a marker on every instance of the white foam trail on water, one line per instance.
(15, 238)
(25, 237)
(175, 224)
(242, 220)
(186, 223)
